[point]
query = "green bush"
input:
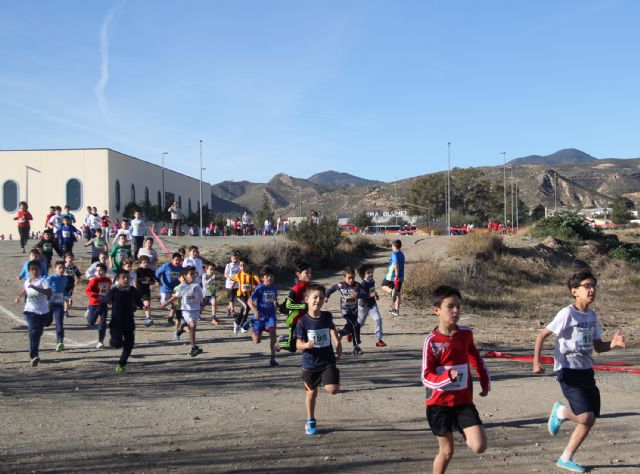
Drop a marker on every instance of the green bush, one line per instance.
(319, 242)
(629, 253)
(569, 227)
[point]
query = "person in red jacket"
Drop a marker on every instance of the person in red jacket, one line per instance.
(447, 353)
(98, 287)
(24, 226)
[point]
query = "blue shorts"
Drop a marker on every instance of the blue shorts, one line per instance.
(264, 324)
(579, 388)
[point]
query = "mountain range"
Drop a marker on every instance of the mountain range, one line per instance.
(576, 179)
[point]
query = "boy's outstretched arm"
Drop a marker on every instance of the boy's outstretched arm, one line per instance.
(603, 346)
(537, 366)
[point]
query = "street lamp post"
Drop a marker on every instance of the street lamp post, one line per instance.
(449, 188)
(512, 221)
(28, 168)
(517, 216)
(504, 184)
(395, 194)
(300, 194)
(201, 170)
(164, 200)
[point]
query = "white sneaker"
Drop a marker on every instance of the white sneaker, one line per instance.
(99, 345)
(235, 328)
(243, 330)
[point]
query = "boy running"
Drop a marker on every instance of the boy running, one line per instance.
(578, 333)
(230, 271)
(124, 300)
(98, 245)
(294, 305)
(72, 273)
(36, 308)
(209, 290)
(97, 310)
(138, 231)
(446, 355)
(247, 281)
(24, 226)
(150, 252)
(349, 291)
(367, 302)
(102, 259)
(145, 277)
(392, 282)
(58, 283)
(263, 302)
(47, 246)
(120, 252)
(314, 335)
(167, 275)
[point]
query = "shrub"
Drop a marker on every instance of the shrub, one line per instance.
(474, 244)
(569, 227)
(629, 253)
(422, 278)
(318, 241)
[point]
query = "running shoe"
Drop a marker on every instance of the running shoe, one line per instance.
(35, 361)
(99, 345)
(310, 427)
(235, 328)
(195, 351)
(59, 347)
(120, 369)
(170, 322)
(147, 322)
(176, 336)
(394, 312)
(570, 465)
(243, 330)
(554, 422)
(381, 343)
(274, 363)
(357, 351)
(66, 314)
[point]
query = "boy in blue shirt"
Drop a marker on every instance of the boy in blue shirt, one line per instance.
(67, 235)
(167, 276)
(314, 334)
(392, 282)
(263, 301)
(58, 283)
(34, 256)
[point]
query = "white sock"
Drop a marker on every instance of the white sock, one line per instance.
(566, 456)
(561, 413)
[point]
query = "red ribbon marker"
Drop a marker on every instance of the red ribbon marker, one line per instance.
(609, 367)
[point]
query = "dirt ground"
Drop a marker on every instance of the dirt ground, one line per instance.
(228, 411)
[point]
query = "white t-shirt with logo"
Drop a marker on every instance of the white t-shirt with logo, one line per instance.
(231, 269)
(36, 302)
(191, 296)
(575, 332)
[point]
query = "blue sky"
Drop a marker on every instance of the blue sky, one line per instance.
(374, 88)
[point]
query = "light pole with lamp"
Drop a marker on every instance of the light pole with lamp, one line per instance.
(395, 194)
(504, 184)
(201, 170)
(300, 193)
(164, 200)
(517, 216)
(449, 188)
(512, 218)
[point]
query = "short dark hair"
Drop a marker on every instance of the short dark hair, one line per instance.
(397, 243)
(188, 269)
(58, 262)
(149, 238)
(47, 231)
(579, 276)
(442, 292)
(348, 271)
(244, 260)
(315, 287)
(143, 258)
(176, 255)
(99, 229)
(300, 265)
(364, 268)
(266, 270)
(102, 265)
(193, 247)
(121, 272)
(69, 254)
(33, 264)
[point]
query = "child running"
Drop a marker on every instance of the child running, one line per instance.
(193, 260)
(446, 355)
(263, 302)
(145, 277)
(167, 275)
(578, 333)
(247, 281)
(120, 252)
(190, 293)
(294, 305)
(124, 300)
(97, 310)
(98, 244)
(209, 290)
(36, 308)
(72, 273)
(349, 291)
(314, 335)
(150, 252)
(58, 283)
(230, 271)
(47, 246)
(367, 302)
(103, 258)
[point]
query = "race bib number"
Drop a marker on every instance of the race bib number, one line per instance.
(98, 243)
(246, 287)
(122, 254)
(57, 298)
(269, 297)
(193, 298)
(32, 296)
(103, 289)
(174, 275)
(145, 281)
(460, 383)
(320, 337)
(22, 220)
(46, 248)
(585, 339)
(66, 234)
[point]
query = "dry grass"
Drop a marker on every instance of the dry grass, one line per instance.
(475, 244)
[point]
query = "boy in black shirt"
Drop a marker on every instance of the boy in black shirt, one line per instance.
(314, 334)
(48, 245)
(124, 300)
(145, 277)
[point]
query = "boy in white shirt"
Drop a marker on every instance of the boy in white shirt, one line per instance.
(230, 271)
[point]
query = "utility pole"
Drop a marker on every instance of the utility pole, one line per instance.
(512, 219)
(449, 188)
(201, 170)
(504, 184)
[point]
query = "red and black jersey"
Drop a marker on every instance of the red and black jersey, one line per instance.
(441, 353)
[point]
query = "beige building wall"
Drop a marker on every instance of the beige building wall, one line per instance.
(97, 170)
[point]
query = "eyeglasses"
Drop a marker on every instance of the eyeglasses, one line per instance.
(589, 286)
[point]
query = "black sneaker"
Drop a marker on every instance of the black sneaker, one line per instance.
(170, 322)
(357, 351)
(195, 351)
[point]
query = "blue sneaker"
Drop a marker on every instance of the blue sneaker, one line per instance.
(570, 465)
(554, 422)
(310, 427)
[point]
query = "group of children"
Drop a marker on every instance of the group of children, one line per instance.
(187, 285)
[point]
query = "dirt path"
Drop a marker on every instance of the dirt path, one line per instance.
(227, 411)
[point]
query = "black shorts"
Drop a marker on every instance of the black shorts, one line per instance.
(330, 375)
(231, 294)
(579, 388)
(443, 420)
(390, 284)
(145, 295)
